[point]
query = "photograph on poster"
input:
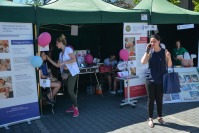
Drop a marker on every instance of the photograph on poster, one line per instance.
(130, 45)
(5, 65)
(175, 96)
(6, 90)
(194, 93)
(185, 87)
(194, 78)
(181, 78)
(4, 46)
(195, 86)
(132, 67)
(167, 97)
(187, 78)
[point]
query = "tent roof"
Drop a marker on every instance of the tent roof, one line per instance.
(163, 12)
(13, 12)
(86, 11)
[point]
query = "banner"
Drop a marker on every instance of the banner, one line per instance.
(18, 88)
(189, 86)
(135, 39)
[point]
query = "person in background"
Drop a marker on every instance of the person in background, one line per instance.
(111, 61)
(55, 85)
(159, 59)
(178, 50)
(69, 71)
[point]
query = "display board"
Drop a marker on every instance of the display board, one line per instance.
(18, 88)
(189, 86)
(135, 38)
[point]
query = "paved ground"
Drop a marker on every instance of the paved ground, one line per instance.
(99, 115)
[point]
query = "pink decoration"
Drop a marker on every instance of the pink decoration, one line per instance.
(44, 39)
(88, 59)
(124, 54)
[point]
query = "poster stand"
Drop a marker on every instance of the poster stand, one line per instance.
(129, 100)
(6, 126)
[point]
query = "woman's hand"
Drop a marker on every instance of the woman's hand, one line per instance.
(168, 59)
(168, 55)
(148, 47)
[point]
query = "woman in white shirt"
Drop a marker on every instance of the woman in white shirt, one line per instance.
(69, 70)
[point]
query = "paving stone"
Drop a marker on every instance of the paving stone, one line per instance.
(99, 115)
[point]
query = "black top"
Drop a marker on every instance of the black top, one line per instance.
(157, 67)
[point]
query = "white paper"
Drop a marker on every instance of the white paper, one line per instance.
(74, 30)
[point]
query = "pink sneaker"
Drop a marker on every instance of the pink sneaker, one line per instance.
(76, 112)
(70, 110)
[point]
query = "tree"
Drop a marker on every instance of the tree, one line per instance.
(196, 5)
(175, 2)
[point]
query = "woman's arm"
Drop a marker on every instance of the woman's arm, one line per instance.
(73, 59)
(146, 55)
(145, 58)
(43, 76)
(52, 62)
(168, 58)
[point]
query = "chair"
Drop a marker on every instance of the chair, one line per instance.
(45, 84)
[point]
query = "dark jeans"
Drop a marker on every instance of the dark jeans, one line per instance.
(155, 93)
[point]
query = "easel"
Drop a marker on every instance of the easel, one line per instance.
(128, 101)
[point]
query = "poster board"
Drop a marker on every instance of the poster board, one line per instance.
(135, 39)
(189, 86)
(18, 88)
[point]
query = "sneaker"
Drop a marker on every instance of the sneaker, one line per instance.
(70, 110)
(76, 112)
(120, 91)
(161, 121)
(113, 92)
(53, 101)
(49, 101)
(150, 123)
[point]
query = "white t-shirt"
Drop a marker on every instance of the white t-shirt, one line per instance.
(73, 67)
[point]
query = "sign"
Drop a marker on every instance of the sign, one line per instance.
(144, 17)
(185, 26)
(150, 27)
(135, 39)
(18, 88)
(45, 83)
(74, 30)
(189, 86)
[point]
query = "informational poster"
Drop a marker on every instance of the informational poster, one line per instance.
(135, 39)
(189, 86)
(18, 88)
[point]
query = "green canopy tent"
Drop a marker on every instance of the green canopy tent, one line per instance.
(13, 12)
(85, 12)
(99, 22)
(163, 12)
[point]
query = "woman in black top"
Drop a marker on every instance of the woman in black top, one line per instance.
(158, 60)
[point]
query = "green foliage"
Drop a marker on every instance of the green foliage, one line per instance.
(136, 1)
(175, 2)
(196, 4)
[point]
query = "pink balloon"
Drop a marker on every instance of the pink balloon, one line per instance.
(124, 54)
(44, 39)
(88, 59)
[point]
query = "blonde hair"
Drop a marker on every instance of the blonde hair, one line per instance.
(62, 38)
